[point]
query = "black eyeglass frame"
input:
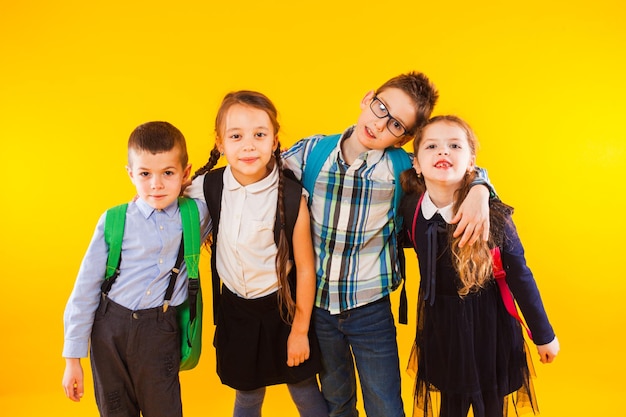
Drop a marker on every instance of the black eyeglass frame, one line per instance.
(383, 107)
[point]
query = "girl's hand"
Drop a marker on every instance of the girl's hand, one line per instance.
(73, 379)
(548, 352)
(297, 348)
(473, 216)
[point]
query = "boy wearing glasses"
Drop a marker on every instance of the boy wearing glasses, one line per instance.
(357, 262)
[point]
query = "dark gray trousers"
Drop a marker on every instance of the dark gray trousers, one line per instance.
(134, 358)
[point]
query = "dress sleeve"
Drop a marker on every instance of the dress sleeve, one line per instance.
(523, 286)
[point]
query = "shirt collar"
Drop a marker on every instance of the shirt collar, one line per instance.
(429, 209)
(147, 209)
(231, 184)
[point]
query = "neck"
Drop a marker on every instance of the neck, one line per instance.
(441, 195)
(351, 148)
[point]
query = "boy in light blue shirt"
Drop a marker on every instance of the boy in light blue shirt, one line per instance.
(133, 341)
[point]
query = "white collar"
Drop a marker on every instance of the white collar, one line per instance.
(230, 183)
(429, 209)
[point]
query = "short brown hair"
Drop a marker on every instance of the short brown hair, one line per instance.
(421, 91)
(158, 137)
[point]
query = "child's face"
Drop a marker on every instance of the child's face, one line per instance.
(157, 177)
(248, 141)
(444, 154)
(384, 117)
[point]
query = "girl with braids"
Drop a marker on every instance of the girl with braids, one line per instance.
(467, 347)
(263, 256)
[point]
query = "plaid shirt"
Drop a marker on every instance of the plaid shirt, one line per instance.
(352, 225)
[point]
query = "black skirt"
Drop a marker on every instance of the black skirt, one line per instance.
(251, 344)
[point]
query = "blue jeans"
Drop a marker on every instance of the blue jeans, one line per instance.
(366, 336)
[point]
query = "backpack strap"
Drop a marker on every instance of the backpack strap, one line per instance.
(507, 298)
(113, 234)
(213, 187)
(314, 162)
(190, 219)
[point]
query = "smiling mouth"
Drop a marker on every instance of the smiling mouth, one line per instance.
(443, 164)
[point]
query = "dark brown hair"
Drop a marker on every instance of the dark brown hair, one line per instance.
(422, 92)
(259, 101)
(157, 137)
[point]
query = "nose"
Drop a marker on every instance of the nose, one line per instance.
(157, 182)
(380, 124)
(444, 150)
(249, 145)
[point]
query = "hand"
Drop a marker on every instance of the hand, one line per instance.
(298, 349)
(548, 352)
(473, 216)
(73, 379)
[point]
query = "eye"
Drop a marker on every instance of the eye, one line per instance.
(168, 173)
(144, 174)
(455, 146)
(235, 136)
(397, 125)
(430, 146)
(260, 134)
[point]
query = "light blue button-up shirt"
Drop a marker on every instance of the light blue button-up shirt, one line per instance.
(149, 250)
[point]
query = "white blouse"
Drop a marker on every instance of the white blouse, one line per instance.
(246, 251)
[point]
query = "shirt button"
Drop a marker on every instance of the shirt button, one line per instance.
(135, 316)
(161, 227)
(161, 261)
(148, 292)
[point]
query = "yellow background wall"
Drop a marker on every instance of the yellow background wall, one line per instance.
(541, 82)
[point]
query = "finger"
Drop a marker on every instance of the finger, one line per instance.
(466, 235)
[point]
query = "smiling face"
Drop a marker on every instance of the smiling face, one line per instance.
(247, 140)
(372, 131)
(158, 177)
(444, 154)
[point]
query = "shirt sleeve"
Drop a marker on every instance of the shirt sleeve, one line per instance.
(524, 288)
(483, 179)
(85, 297)
(293, 158)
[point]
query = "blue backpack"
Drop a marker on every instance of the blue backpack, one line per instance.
(400, 161)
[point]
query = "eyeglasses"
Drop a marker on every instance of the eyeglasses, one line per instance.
(380, 110)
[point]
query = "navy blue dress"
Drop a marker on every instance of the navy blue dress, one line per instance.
(470, 350)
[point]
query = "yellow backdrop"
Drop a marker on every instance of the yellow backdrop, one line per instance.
(541, 82)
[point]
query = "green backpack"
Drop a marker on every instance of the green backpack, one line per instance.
(189, 314)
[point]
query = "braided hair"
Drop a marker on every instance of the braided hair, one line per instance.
(286, 302)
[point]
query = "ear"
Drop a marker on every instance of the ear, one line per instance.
(186, 172)
(472, 164)
(129, 170)
(275, 145)
(367, 99)
(416, 165)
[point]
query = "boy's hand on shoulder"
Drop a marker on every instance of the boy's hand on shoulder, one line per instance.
(473, 216)
(73, 379)
(548, 352)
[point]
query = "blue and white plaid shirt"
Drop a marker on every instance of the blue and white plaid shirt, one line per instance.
(352, 225)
